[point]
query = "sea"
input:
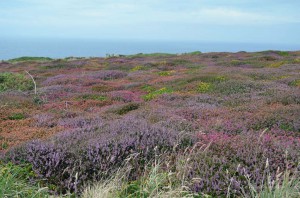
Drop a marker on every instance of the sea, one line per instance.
(61, 48)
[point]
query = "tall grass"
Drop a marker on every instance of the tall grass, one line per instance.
(14, 182)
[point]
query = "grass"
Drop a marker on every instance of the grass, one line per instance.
(156, 182)
(14, 182)
(286, 185)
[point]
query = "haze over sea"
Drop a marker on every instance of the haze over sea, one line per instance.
(60, 48)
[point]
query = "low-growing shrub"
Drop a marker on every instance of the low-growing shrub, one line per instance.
(276, 64)
(228, 163)
(204, 87)
(68, 162)
(17, 116)
(27, 58)
(15, 81)
(137, 68)
(165, 73)
(124, 96)
(236, 87)
(283, 53)
(92, 97)
(156, 93)
(295, 83)
(127, 108)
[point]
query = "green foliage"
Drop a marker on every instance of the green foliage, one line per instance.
(151, 185)
(15, 81)
(236, 62)
(38, 100)
(4, 143)
(137, 68)
(276, 64)
(141, 55)
(286, 126)
(14, 182)
(156, 93)
(283, 53)
(213, 78)
(17, 116)
(295, 83)
(92, 97)
(165, 73)
(193, 53)
(58, 66)
(204, 87)
(148, 88)
(235, 87)
(127, 108)
(27, 58)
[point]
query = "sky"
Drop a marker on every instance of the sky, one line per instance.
(249, 21)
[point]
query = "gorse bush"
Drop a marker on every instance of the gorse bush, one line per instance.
(15, 81)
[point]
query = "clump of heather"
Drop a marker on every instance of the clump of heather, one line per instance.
(220, 163)
(67, 162)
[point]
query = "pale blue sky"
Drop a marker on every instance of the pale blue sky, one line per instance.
(257, 21)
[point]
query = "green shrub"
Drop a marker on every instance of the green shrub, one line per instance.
(286, 126)
(165, 73)
(213, 78)
(154, 94)
(127, 108)
(17, 116)
(295, 83)
(15, 81)
(276, 64)
(204, 87)
(236, 87)
(283, 53)
(137, 68)
(92, 97)
(58, 66)
(27, 58)
(194, 53)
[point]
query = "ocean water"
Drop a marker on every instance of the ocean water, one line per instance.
(60, 48)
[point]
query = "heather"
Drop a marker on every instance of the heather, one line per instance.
(153, 125)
